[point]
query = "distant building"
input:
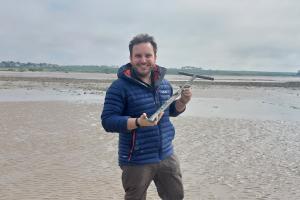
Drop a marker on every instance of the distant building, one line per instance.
(191, 68)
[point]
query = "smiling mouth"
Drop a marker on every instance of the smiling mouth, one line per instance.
(145, 65)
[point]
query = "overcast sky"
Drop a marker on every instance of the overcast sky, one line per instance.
(261, 35)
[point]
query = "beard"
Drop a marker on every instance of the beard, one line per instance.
(142, 73)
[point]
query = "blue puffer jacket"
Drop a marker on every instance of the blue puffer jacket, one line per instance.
(127, 97)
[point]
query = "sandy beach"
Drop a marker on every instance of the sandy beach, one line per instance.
(238, 139)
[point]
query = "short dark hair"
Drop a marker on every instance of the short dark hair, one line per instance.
(142, 38)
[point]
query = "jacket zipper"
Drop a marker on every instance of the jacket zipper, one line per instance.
(157, 103)
(133, 139)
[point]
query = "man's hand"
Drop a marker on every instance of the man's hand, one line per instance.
(143, 120)
(186, 95)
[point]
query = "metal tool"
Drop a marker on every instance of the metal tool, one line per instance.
(187, 84)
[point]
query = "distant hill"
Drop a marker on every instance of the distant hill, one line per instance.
(21, 67)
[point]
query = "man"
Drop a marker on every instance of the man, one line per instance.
(145, 147)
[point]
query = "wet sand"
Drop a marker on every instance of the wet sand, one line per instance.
(234, 142)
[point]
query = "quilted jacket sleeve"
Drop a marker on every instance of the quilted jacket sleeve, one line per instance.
(173, 110)
(111, 118)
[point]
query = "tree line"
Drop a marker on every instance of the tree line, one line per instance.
(46, 67)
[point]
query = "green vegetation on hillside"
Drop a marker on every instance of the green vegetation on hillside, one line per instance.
(44, 67)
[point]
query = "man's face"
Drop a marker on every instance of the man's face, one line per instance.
(143, 58)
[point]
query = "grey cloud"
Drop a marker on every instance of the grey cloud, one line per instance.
(229, 34)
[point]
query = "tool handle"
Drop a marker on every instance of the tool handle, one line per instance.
(153, 117)
(198, 76)
(177, 93)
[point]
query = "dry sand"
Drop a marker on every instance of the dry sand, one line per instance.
(234, 142)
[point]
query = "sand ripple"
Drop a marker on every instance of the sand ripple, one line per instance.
(53, 150)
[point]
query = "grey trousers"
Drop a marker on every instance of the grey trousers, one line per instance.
(166, 176)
